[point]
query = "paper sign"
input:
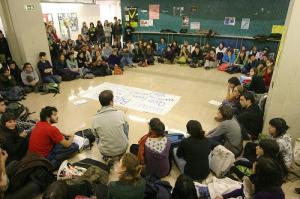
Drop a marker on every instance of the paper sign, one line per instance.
(135, 98)
(278, 29)
(195, 26)
(154, 11)
(150, 22)
(126, 17)
(144, 23)
(245, 23)
(229, 21)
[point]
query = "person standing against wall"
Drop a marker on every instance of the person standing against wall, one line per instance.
(4, 49)
(99, 32)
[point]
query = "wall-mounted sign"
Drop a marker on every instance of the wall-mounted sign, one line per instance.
(29, 7)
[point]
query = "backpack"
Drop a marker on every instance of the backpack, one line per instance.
(118, 70)
(19, 110)
(87, 133)
(50, 88)
(15, 93)
(156, 188)
(221, 160)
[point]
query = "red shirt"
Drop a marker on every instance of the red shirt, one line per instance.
(43, 138)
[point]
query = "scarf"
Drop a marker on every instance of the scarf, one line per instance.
(142, 142)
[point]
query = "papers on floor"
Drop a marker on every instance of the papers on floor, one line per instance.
(135, 98)
(79, 102)
(80, 141)
(215, 102)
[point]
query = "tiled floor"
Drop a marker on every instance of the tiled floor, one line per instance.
(195, 86)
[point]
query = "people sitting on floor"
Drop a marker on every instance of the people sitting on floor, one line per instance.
(228, 133)
(238, 64)
(62, 69)
(129, 185)
(30, 77)
(256, 84)
(231, 96)
(7, 81)
(148, 56)
(197, 59)
(191, 157)
(126, 57)
(234, 103)
(162, 46)
(263, 67)
(153, 150)
(84, 66)
(15, 71)
(184, 54)
(48, 141)
(138, 56)
(251, 117)
(106, 51)
(169, 55)
(12, 139)
(184, 188)
(111, 127)
(72, 64)
(228, 57)
(211, 60)
(278, 130)
(220, 51)
(46, 70)
(252, 63)
(175, 48)
(114, 59)
(99, 67)
(267, 77)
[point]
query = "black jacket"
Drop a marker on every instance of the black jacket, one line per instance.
(251, 119)
(195, 152)
(257, 85)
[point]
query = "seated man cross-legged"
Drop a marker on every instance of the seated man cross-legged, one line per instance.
(47, 140)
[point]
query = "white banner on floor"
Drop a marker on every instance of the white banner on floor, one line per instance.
(135, 98)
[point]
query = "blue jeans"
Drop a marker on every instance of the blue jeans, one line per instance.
(126, 60)
(52, 79)
(59, 153)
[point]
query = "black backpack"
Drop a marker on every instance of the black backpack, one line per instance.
(87, 133)
(20, 111)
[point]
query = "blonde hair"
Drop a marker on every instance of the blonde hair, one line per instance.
(130, 169)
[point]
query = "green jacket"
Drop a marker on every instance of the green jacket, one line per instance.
(120, 190)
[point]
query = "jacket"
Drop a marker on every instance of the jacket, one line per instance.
(110, 126)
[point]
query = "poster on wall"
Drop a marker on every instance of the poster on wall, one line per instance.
(68, 22)
(153, 11)
(229, 21)
(47, 18)
(150, 21)
(185, 20)
(132, 13)
(245, 23)
(195, 26)
(178, 11)
(144, 23)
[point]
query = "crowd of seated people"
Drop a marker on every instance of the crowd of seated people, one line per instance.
(96, 52)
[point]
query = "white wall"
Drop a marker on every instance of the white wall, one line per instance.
(85, 12)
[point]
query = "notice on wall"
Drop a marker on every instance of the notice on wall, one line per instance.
(150, 22)
(154, 11)
(178, 11)
(195, 26)
(278, 29)
(229, 21)
(132, 13)
(245, 23)
(144, 23)
(135, 98)
(185, 20)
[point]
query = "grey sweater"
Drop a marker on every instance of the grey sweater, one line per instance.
(231, 131)
(111, 127)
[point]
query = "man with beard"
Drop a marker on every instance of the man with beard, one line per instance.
(47, 140)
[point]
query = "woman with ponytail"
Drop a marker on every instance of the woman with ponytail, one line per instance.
(130, 185)
(278, 130)
(192, 154)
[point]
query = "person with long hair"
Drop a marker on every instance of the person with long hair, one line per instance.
(130, 185)
(184, 188)
(191, 156)
(278, 130)
(153, 150)
(264, 184)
